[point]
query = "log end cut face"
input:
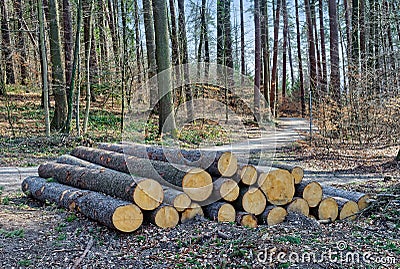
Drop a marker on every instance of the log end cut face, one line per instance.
(313, 194)
(248, 175)
(328, 209)
(229, 190)
(167, 217)
(197, 184)
(127, 218)
(182, 201)
(226, 213)
(300, 206)
(148, 194)
(227, 164)
(276, 215)
(254, 201)
(363, 202)
(278, 186)
(247, 220)
(348, 211)
(298, 174)
(191, 212)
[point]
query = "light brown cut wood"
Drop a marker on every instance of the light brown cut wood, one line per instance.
(246, 174)
(192, 211)
(246, 219)
(310, 191)
(176, 198)
(273, 215)
(277, 185)
(197, 184)
(220, 211)
(327, 209)
(165, 216)
(227, 164)
(347, 209)
(111, 212)
(360, 198)
(226, 189)
(251, 200)
(298, 205)
(296, 171)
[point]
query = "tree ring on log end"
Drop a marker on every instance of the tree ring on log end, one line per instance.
(148, 194)
(227, 164)
(197, 184)
(127, 218)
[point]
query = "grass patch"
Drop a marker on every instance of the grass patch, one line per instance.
(25, 262)
(15, 233)
(289, 239)
(71, 218)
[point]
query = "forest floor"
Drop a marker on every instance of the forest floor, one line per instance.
(37, 235)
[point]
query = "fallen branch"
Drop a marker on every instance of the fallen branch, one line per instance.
(80, 259)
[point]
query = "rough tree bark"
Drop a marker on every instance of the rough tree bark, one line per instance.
(6, 45)
(166, 111)
(257, 59)
(300, 61)
(334, 52)
(20, 42)
(274, 85)
(58, 80)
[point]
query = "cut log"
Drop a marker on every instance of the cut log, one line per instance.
(217, 163)
(146, 193)
(71, 160)
(251, 200)
(246, 219)
(310, 191)
(191, 212)
(326, 210)
(246, 174)
(273, 215)
(176, 198)
(296, 171)
(298, 205)
(347, 209)
(277, 185)
(226, 188)
(361, 199)
(196, 182)
(164, 216)
(114, 213)
(220, 211)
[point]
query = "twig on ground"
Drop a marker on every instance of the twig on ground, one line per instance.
(78, 261)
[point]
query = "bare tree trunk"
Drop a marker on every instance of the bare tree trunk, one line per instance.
(75, 62)
(311, 47)
(175, 53)
(58, 81)
(205, 37)
(150, 47)
(257, 60)
(266, 54)
(44, 66)
(275, 60)
(334, 51)
(220, 32)
(20, 42)
(68, 43)
(242, 52)
(166, 114)
(6, 45)
(324, 74)
(284, 57)
(185, 59)
(301, 77)
(88, 45)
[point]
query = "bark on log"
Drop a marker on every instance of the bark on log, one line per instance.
(273, 215)
(310, 191)
(164, 216)
(246, 219)
(347, 209)
(191, 212)
(326, 210)
(251, 200)
(146, 193)
(113, 213)
(299, 205)
(296, 171)
(220, 211)
(196, 182)
(177, 199)
(246, 174)
(71, 160)
(277, 185)
(217, 163)
(361, 199)
(226, 189)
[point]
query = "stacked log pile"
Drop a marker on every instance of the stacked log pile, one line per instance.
(122, 186)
